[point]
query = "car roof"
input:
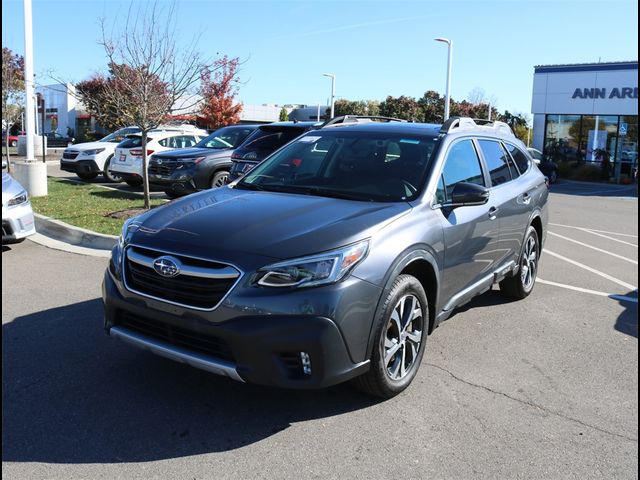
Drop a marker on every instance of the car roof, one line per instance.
(389, 127)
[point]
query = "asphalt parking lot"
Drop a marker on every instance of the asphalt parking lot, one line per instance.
(542, 388)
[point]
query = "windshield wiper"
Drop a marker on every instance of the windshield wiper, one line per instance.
(248, 186)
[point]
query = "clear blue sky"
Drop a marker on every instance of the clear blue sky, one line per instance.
(375, 48)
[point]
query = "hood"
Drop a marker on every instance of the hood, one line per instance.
(10, 187)
(194, 152)
(92, 145)
(225, 222)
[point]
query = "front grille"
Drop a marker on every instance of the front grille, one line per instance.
(70, 155)
(202, 290)
(163, 169)
(6, 229)
(178, 336)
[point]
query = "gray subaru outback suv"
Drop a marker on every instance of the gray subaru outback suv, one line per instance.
(335, 257)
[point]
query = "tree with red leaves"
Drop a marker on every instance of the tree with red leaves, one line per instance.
(219, 89)
(12, 89)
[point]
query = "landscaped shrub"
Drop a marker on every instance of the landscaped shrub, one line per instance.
(589, 173)
(565, 169)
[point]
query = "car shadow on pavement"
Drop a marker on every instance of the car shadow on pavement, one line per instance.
(71, 394)
(594, 189)
(627, 321)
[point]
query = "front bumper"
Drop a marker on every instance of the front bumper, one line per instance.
(256, 348)
(17, 222)
(80, 166)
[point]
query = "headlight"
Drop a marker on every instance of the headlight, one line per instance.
(93, 152)
(129, 227)
(319, 269)
(189, 162)
(22, 197)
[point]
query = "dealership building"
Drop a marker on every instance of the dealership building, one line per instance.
(582, 110)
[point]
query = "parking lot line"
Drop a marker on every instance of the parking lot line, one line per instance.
(592, 270)
(610, 238)
(594, 248)
(584, 229)
(624, 298)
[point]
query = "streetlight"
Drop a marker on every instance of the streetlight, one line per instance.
(333, 89)
(448, 93)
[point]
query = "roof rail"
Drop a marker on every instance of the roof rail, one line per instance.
(468, 123)
(359, 119)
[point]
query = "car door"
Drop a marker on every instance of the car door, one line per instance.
(510, 196)
(470, 233)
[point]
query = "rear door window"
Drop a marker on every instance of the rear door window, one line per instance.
(497, 161)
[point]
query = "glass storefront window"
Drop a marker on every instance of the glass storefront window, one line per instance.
(627, 149)
(599, 132)
(579, 138)
(562, 137)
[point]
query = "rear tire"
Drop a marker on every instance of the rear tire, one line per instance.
(13, 143)
(521, 284)
(108, 176)
(400, 340)
(87, 175)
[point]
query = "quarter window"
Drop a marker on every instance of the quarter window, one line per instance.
(497, 162)
(461, 165)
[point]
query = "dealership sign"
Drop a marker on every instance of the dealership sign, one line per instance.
(626, 92)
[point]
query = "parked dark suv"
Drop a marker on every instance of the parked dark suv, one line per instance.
(335, 257)
(206, 165)
(264, 141)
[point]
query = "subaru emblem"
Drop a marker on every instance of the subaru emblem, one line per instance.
(167, 266)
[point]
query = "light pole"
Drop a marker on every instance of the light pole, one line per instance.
(448, 92)
(333, 89)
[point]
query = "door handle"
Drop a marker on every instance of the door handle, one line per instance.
(493, 213)
(526, 198)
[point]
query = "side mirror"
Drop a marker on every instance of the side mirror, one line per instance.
(467, 194)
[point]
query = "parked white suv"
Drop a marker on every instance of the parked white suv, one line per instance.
(87, 160)
(127, 159)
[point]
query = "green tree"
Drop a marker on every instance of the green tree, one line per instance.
(431, 107)
(284, 115)
(402, 107)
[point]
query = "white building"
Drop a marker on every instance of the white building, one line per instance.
(580, 108)
(60, 108)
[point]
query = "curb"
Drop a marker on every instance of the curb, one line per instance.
(77, 236)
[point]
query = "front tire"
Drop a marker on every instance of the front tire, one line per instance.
(400, 340)
(110, 177)
(13, 143)
(219, 179)
(521, 284)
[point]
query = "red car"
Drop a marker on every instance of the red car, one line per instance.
(12, 140)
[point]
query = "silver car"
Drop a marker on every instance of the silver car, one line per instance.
(17, 216)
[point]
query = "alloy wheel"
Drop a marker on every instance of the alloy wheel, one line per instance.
(529, 266)
(403, 337)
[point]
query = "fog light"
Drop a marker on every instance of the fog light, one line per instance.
(306, 363)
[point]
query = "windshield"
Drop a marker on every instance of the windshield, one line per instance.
(118, 135)
(368, 166)
(227, 137)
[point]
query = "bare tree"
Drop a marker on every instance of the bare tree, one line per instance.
(150, 72)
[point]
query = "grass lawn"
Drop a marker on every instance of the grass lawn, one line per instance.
(88, 206)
